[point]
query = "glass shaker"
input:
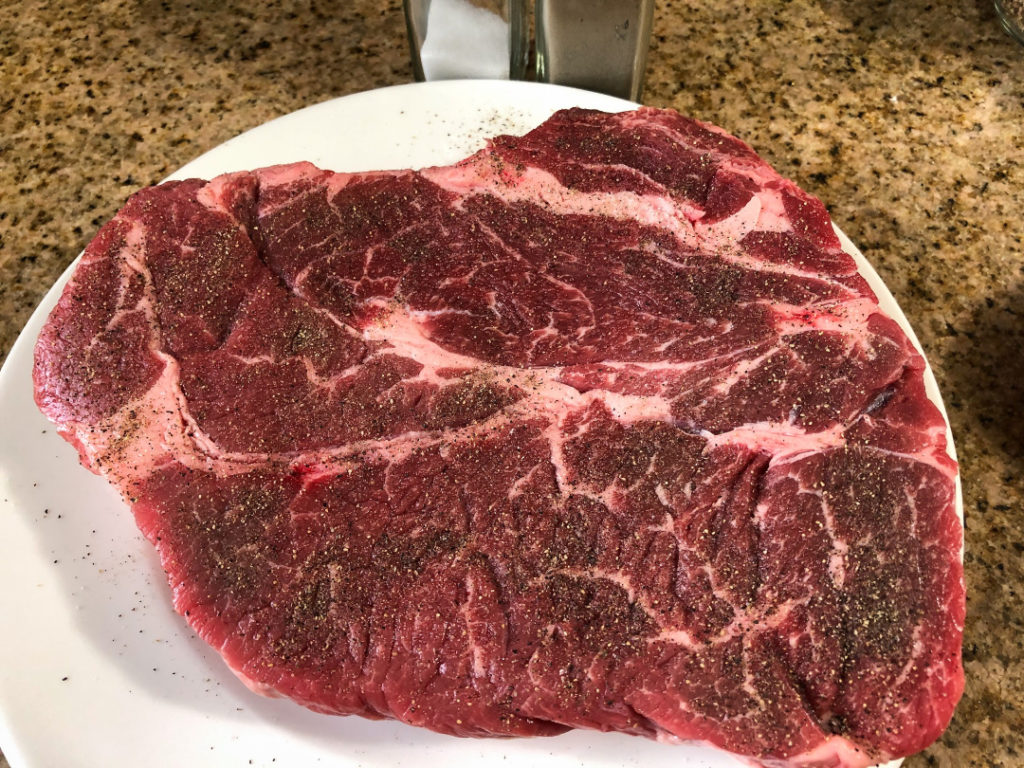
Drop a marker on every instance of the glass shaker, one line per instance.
(451, 39)
(600, 45)
(1011, 14)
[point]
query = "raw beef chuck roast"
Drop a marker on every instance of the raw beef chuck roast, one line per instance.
(598, 428)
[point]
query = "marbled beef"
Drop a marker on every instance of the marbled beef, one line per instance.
(598, 428)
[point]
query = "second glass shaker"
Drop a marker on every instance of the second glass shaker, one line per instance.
(600, 45)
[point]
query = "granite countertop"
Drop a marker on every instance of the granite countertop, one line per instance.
(906, 118)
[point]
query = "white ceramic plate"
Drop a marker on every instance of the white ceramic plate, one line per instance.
(95, 667)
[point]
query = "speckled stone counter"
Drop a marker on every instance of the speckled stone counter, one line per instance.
(906, 118)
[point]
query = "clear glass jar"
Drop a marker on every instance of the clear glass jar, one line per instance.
(1011, 14)
(600, 45)
(453, 39)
